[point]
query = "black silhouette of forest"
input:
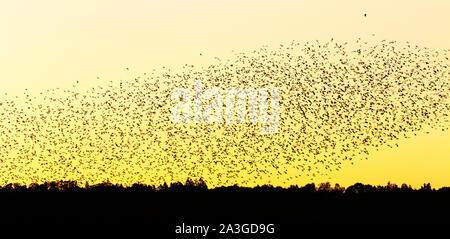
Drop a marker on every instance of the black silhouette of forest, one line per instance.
(201, 186)
(296, 211)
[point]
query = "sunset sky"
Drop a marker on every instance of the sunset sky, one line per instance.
(54, 43)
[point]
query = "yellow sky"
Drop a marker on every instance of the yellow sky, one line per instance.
(53, 43)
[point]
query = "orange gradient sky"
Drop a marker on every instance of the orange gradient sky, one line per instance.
(54, 43)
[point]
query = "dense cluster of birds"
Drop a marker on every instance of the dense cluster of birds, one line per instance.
(338, 102)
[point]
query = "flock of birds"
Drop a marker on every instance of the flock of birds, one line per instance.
(338, 102)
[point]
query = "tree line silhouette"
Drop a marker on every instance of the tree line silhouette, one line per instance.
(201, 186)
(295, 209)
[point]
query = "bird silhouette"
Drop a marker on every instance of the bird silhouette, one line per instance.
(339, 102)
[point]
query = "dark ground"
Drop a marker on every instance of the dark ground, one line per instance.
(144, 212)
